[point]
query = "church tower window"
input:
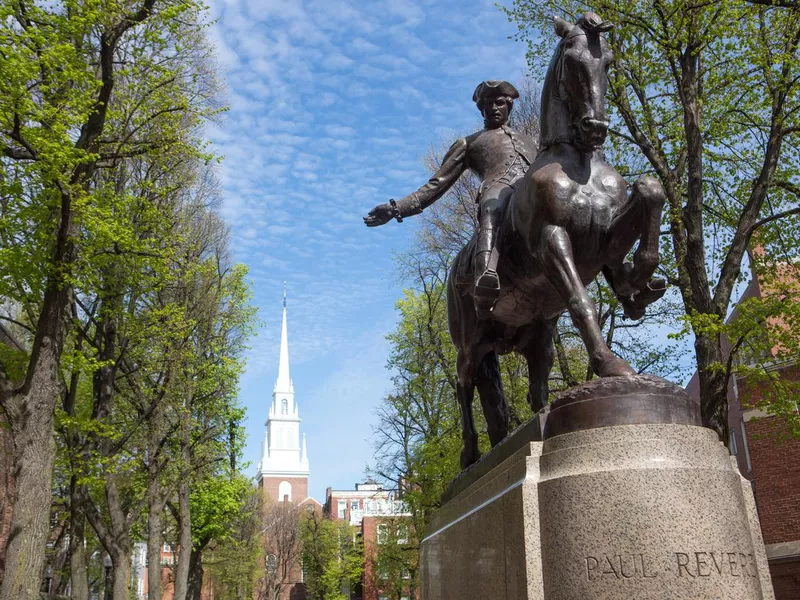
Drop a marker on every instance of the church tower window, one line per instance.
(284, 407)
(285, 491)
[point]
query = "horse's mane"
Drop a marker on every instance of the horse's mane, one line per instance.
(554, 116)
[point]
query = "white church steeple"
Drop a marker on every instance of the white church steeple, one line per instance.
(281, 454)
(284, 382)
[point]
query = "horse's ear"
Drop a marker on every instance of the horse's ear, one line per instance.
(561, 26)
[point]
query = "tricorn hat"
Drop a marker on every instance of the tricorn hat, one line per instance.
(493, 88)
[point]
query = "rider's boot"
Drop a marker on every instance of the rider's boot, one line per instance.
(487, 283)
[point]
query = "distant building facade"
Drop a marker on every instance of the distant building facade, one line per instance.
(770, 459)
(380, 517)
(169, 559)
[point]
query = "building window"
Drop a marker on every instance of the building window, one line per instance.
(746, 446)
(342, 509)
(285, 492)
(383, 533)
(353, 505)
(272, 564)
(405, 573)
(167, 548)
(284, 407)
(402, 533)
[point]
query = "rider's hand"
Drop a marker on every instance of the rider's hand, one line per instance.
(380, 215)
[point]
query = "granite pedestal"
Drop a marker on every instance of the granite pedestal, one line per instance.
(640, 503)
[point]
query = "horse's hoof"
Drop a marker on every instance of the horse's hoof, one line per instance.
(634, 306)
(614, 367)
(469, 457)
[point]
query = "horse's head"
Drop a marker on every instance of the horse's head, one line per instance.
(573, 98)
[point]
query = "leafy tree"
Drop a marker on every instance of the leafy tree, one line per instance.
(227, 537)
(706, 97)
(333, 557)
(283, 548)
(84, 85)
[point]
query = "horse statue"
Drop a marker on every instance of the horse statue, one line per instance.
(569, 219)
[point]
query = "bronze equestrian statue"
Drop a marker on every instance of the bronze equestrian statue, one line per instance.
(499, 156)
(568, 219)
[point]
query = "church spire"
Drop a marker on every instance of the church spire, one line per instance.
(284, 382)
(284, 454)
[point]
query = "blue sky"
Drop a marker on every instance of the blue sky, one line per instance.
(333, 104)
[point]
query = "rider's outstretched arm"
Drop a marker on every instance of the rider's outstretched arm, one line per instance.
(453, 165)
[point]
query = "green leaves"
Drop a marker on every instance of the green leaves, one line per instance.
(106, 198)
(333, 557)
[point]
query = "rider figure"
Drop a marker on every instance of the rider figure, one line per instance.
(499, 156)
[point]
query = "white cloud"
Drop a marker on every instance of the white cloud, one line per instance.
(332, 105)
(336, 61)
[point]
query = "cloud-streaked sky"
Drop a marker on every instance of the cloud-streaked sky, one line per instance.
(333, 104)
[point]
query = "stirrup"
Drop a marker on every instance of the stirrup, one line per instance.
(488, 284)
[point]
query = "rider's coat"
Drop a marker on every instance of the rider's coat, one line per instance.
(499, 157)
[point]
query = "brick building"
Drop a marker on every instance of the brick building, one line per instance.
(380, 518)
(770, 459)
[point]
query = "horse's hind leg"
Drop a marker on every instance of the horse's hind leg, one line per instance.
(639, 218)
(539, 353)
(556, 257)
(493, 399)
(465, 391)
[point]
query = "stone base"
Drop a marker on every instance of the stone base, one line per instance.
(645, 511)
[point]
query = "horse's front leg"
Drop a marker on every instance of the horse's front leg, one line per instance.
(638, 218)
(558, 265)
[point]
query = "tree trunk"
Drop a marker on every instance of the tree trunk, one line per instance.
(155, 538)
(6, 488)
(713, 385)
(59, 561)
(34, 452)
(195, 575)
(79, 575)
(185, 524)
(122, 575)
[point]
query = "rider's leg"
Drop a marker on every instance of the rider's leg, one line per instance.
(487, 283)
